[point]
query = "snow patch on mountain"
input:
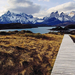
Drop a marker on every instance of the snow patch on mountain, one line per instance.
(55, 18)
(62, 16)
(40, 20)
(23, 18)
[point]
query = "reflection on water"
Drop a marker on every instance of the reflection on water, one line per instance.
(41, 30)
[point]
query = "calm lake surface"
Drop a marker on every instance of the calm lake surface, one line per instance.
(41, 30)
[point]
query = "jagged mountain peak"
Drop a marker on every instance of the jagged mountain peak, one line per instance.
(62, 14)
(56, 12)
(8, 13)
(52, 12)
(23, 18)
(73, 11)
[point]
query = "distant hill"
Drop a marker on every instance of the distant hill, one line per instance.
(14, 26)
(71, 26)
(20, 26)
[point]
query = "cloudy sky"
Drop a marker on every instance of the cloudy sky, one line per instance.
(37, 8)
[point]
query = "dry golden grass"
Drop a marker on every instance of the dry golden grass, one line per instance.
(26, 55)
(73, 38)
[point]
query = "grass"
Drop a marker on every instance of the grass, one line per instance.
(73, 38)
(26, 53)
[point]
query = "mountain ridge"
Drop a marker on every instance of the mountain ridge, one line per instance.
(54, 18)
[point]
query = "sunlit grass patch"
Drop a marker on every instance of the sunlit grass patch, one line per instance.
(73, 38)
(28, 53)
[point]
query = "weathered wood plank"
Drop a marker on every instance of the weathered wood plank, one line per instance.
(65, 61)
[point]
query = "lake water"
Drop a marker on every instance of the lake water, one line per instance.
(41, 30)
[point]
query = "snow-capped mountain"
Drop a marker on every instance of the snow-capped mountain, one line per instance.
(62, 16)
(72, 13)
(22, 18)
(53, 19)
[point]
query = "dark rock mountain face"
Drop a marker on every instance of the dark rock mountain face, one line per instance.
(51, 21)
(54, 19)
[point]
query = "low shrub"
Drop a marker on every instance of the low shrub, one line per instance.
(37, 35)
(57, 33)
(4, 33)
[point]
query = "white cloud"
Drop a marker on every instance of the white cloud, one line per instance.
(66, 7)
(27, 6)
(41, 14)
(3, 3)
(19, 6)
(23, 6)
(44, 0)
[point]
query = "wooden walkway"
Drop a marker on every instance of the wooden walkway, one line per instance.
(65, 61)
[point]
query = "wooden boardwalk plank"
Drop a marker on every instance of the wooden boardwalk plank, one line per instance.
(65, 61)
